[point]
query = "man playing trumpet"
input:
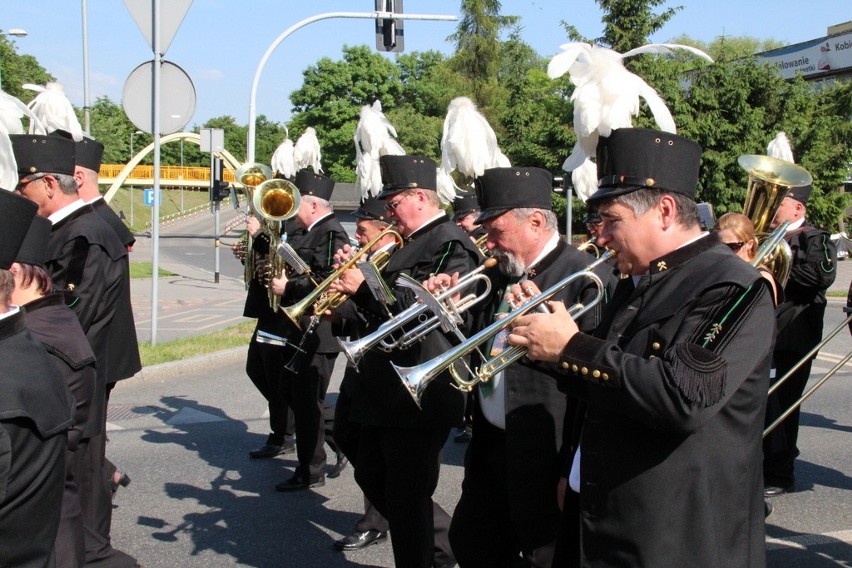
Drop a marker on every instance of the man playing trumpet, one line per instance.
(668, 466)
(400, 444)
(508, 509)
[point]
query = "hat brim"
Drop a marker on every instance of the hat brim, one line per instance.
(612, 191)
(490, 214)
(463, 213)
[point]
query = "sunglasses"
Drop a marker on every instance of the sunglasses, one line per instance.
(25, 182)
(734, 246)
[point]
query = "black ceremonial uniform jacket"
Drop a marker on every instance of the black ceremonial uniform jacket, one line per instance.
(112, 219)
(800, 315)
(537, 409)
(316, 247)
(86, 259)
(56, 327)
(35, 412)
(675, 388)
(438, 247)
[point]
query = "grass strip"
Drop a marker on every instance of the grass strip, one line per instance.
(145, 269)
(184, 348)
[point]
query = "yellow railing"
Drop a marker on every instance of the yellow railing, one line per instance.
(111, 171)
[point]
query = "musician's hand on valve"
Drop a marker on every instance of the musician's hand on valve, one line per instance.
(279, 285)
(521, 293)
(348, 283)
(343, 255)
(253, 226)
(438, 283)
(544, 335)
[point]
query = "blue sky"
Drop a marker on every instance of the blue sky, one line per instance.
(221, 42)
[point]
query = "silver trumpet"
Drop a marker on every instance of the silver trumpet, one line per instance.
(432, 312)
(418, 377)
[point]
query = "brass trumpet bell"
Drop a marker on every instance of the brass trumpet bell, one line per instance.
(253, 174)
(276, 200)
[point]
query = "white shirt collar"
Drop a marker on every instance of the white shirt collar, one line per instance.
(61, 214)
(548, 247)
(326, 216)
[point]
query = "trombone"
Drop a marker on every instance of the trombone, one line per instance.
(445, 314)
(417, 378)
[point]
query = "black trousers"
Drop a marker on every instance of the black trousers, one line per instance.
(346, 435)
(484, 532)
(265, 367)
(307, 398)
(398, 471)
(779, 447)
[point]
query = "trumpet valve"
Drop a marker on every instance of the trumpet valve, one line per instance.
(240, 250)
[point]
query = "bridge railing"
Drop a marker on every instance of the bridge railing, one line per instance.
(184, 173)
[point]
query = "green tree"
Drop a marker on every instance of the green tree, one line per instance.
(727, 48)
(627, 23)
(15, 70)
(477, 40)
(331, 98)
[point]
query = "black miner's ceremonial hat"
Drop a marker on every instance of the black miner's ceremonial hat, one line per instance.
(34, 248)
(636, 158)
(801, 193)
(407, 172)
(465, 204)
(501, 189)
(16, 215)
(89, 153)
(310, 183)
(51, 154)
(372, 209)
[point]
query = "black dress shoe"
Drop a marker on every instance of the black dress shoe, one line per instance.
(360, 539)
(776, 490)
(338, 467)
(266, 451)
(767, 508)
(298, 483)
(465, 436)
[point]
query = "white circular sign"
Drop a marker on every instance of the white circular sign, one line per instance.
(177, 97)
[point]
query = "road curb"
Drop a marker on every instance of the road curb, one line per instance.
(176, 369)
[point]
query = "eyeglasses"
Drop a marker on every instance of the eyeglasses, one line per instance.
(22, 184)
(734, 246)
(392, 206)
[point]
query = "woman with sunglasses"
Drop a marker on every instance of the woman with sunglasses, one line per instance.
(737, 232)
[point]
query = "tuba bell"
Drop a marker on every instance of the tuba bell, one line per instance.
(276, 200)
(769, 180)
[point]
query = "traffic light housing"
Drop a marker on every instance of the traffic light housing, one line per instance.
(219, 189)
(389, 33)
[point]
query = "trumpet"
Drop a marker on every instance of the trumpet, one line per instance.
(445, 314)
(590, 247)
(480, 245)
(319, 297)
(418, 377)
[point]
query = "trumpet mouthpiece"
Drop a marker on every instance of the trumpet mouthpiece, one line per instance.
(489, 262)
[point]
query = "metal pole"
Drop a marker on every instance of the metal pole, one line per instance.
(131, 205)
(155, 212)
(252, 127)
(569, 212)
(87, 111)
(216, 210)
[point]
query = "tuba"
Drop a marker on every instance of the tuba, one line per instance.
(272, 201)
(769, 179)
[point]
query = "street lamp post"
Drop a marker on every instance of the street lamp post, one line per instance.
(16, 32)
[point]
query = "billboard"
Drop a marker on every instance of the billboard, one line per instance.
(815, 58)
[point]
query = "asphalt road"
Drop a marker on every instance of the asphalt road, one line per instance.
(182, 432)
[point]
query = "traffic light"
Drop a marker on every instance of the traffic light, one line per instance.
(389, 33)
(219, 189)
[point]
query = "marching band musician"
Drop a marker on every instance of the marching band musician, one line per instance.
(371, 219)
(308, 384)
(508, 513)
(400, 444)
(267, 354)
(668, 467)
(465, 215)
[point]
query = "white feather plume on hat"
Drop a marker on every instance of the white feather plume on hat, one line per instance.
(11, 112)
(606, 97)
(780, 148)
(374, 137)
(54, 110)
(306, 152)
(283, 161)
(468, 145)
